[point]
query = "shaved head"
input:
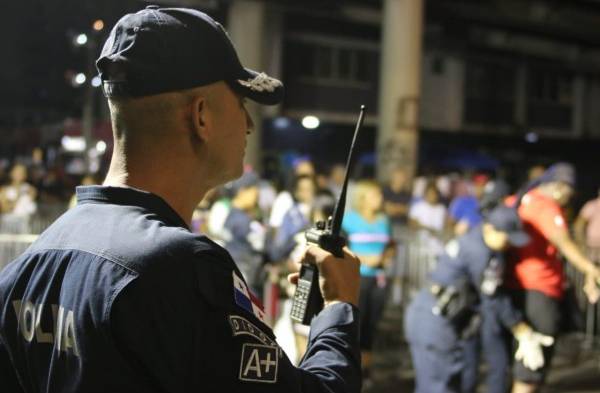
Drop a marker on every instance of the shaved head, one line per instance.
(154, 115)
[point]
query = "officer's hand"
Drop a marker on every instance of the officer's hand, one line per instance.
(339, 278)
(530, 345)
(591, 289)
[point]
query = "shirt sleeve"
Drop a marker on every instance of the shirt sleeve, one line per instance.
(454, 210)
(332, 359)
(545, 217)
(415, 211)
(502, 306)
(283, 202)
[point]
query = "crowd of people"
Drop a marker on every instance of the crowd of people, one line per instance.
(262, 226)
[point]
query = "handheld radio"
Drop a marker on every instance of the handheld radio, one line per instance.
(308, 300)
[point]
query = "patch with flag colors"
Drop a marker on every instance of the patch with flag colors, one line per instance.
(246, 299)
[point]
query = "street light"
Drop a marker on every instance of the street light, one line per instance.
(81, 39)
(101, 147)
(98, 25)
(80, 78)
(96, 81)
(73, 143)
(310, 122)
(89, 42)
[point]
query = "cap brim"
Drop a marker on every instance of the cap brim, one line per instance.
(518, 239)
(258, 87)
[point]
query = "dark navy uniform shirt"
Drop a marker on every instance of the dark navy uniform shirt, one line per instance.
(465, 258)
(119, 296)
(468, 257)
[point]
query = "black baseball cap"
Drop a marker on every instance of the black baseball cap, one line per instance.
(506, 219)
(157, 50)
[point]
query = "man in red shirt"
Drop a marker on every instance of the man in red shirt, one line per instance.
(537, 270)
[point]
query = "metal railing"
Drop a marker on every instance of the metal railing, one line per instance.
(17, 233)
(416, 256)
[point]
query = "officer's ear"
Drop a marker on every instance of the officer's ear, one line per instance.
(200, 118)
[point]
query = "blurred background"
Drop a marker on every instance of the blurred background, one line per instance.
(458, 92)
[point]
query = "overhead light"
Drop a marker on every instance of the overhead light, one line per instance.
(101, 147)
(73, 143)
(310, 122)
(98, 24)
(96, 81)
(532, 137)
(81, 39)
(281, 123)
(80, 79)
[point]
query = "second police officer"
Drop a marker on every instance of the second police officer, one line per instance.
(465, 292)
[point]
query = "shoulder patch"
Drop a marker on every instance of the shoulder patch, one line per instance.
(245, 299)
(259, 363)
(240, 326)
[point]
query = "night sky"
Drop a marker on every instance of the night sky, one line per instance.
(38, 51)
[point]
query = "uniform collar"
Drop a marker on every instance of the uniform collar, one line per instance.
(131, 197)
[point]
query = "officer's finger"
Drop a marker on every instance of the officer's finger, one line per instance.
(349, 253)
(316, 254)
(293, 278)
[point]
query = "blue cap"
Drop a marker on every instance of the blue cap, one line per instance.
(247, 180)
(559, 172)
(506, 219)
(158, 50)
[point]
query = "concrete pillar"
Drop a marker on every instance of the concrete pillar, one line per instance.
(442, 92)
(400, 86)
(246, 24)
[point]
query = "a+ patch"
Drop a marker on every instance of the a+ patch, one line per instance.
(259, 363)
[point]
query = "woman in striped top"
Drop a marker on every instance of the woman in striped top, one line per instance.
(369, 237)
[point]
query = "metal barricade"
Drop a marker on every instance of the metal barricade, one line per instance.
(590, 312)
(18, 232)
(416, 255)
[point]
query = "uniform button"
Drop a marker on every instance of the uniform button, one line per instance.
(152, 7)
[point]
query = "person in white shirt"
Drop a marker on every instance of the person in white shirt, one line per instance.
(428, 217)
(17, 201)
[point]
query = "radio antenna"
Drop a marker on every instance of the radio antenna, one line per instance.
(338, 213)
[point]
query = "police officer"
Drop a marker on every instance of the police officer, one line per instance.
(445, 313)
(118, 295)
